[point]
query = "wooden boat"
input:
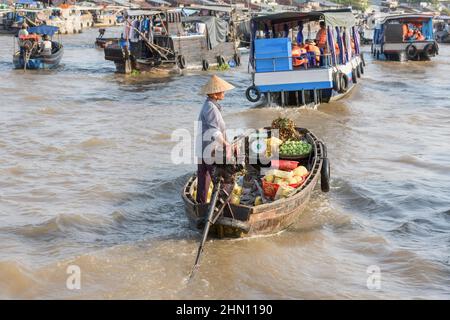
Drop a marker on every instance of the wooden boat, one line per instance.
(102, 42)
(245, 221)
(170, 42)
(32, 58)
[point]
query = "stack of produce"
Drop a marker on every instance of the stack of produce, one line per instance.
(293, 148)
(236, 195)
(286, 180)
(287, 129)
(208, 198)
(290, 143)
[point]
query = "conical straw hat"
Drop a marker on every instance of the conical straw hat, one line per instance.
(215, 85)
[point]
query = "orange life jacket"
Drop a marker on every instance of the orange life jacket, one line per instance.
(405, 31)
(315, 49)
(297, 52)
(419, 36)
(321, 38)
(33, 37)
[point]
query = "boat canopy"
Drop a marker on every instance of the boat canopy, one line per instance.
(141, 12)
(218, 8)
(217, 29)
(44, 30)
(333, 18)
(406, 18)
(26, 2)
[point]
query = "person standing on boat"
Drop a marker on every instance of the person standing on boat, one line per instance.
(321, 36)
(211, 136)
(23, 32)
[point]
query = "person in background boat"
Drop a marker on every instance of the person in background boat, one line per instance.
(23, 32)
(406, 33)
(311, 47)
(321, 36)
(122, 41)
(418, 36)
(46, 46)
(299, 56)
(352, 45)
(211, 135)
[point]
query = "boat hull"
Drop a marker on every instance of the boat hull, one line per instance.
(104, 42)
(305, 87)
(398, 51)
(193, 50)
(40, 62)
(239, 221)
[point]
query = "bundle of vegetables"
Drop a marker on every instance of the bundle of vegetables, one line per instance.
(295, 148)
(276, 179)
(286, 128)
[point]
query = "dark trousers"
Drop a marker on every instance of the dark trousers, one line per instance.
(204, 173)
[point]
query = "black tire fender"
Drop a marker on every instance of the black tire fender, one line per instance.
(411, 52)
(325, 171)
(221, 60)
(248, 94)
(429, 50)
(363, 59)
(237, 59)
(354, 76)
(344, 82)
(181, 62)
(336, 82)
(205, 65)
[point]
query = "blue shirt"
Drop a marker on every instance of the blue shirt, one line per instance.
(210, 126)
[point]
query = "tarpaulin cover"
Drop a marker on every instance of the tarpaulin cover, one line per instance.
(217, 29)
(48, 30)
(333, 18)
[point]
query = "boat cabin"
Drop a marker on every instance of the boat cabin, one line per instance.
(404, 37)
(299, 58)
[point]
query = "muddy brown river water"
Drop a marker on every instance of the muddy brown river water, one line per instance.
(86, 179)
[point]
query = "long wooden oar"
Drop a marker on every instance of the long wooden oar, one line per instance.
(208, 224)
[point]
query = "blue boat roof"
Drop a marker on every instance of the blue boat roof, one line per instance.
(29, 2)
(48, 30)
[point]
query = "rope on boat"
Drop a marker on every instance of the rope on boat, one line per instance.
(152, 45)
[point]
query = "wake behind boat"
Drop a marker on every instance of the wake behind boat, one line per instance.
(37, 50)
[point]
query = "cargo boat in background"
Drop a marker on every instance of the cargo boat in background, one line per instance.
(316, 81)
(169, 39)
(442, 29)
(405, 37)
(24, 11)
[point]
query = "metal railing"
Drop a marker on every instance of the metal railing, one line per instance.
(325, 62)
